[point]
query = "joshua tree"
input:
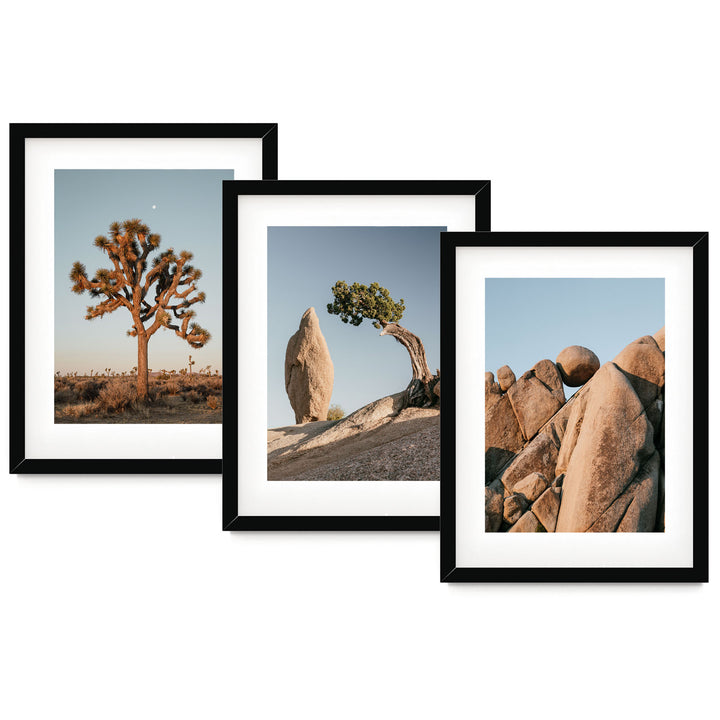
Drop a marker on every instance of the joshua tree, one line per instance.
(129, 282)
(191, 362)
(357, 302)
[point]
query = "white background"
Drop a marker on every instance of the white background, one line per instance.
(121, 597)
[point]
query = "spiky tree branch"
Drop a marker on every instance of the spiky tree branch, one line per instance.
(173, 279)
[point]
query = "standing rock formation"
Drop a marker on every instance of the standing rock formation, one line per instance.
(595, 463)
(614, 440)
(514, 417)
(503, 439)
(536, 396)
(577, 364)
(309, 372)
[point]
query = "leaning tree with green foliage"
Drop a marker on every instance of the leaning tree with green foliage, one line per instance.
(149, 295)
(355, 303)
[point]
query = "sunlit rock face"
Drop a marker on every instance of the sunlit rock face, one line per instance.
(309, 372)
(593, 463)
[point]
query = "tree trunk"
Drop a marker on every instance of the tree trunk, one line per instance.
(142, 366)
(419, 392)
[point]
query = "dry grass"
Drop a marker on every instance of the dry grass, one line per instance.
(112, 398)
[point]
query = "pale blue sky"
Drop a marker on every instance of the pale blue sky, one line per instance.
(303, 265)
(187, 215)
(529, 319)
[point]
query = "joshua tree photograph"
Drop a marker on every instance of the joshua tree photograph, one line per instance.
(345, 402)
(136, 331)
(575, 405)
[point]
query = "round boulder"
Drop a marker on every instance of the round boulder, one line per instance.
(506, 377)
(577, 365)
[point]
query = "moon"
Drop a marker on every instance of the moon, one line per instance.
(154, 207)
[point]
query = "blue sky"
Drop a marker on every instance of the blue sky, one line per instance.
(303, 265)
(529, 319)
(187, 214)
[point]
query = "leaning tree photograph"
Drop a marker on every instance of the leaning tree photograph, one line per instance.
(344, 403)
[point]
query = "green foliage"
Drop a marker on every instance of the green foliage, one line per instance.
(358, 302)
(335, 412)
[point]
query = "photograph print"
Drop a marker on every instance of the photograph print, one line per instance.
(574, 441)
(138, 296)
(345, 402)
(580, 358)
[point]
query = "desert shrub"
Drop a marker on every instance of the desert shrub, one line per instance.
(202, 389)
(64, 395)
(172, 388)
(117, 396)
(79, 410)
(214, 384)
(88, 389)
(194, 397)
(335, 412)
(158, 398)
(213, 402)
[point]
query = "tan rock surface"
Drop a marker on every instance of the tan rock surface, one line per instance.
(577, 364)
(506, 377)
(546, 508)
(503, 439)
(572, 429)
(540, 455)
(642, 511)
(490, 385)
(644, 365)
(556, 426)
(366, 418)
(514, 506)
(635, 509)
(405, 446)
(614, 440)
(533, 401)
(493, 508)
(309, 372)
(532, 486)
(659, 338)
(547, 372)
(527, 523)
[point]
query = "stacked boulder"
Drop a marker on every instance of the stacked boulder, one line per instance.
(592, 464)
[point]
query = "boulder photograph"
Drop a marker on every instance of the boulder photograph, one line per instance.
(345, 403)
(575, 405)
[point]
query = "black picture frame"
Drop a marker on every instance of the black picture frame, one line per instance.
(232, 518)
(19, 133)
(449, 570)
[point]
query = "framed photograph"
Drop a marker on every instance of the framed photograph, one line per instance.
(116, 293)
(329, 424)
(595, 426)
